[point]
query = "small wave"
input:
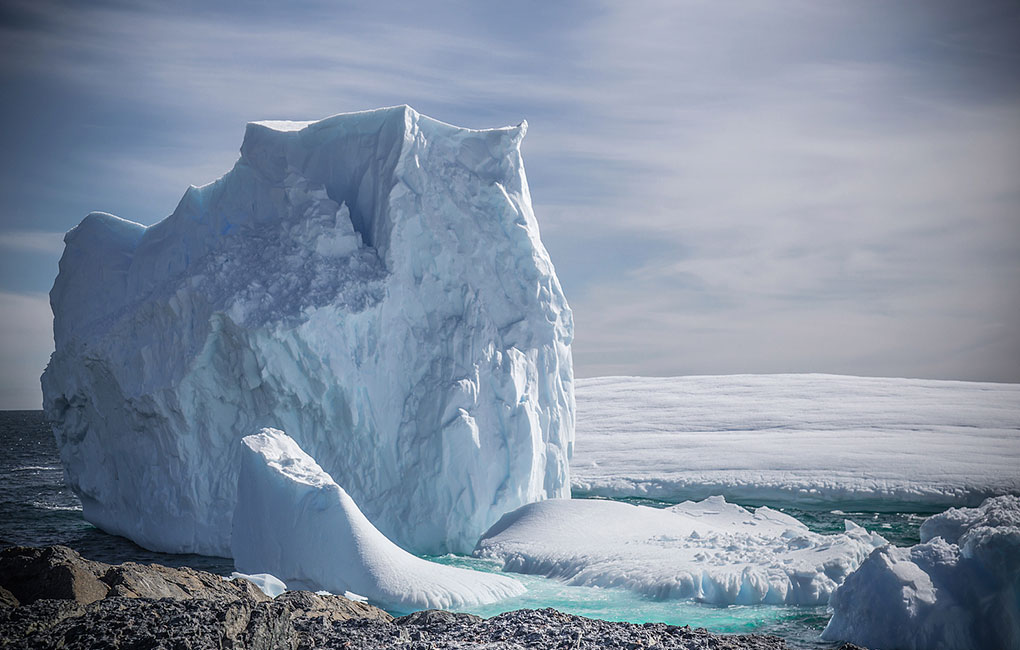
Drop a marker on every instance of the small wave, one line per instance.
(38, 468)
(53, 506)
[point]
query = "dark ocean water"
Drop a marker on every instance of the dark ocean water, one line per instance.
(37, 509)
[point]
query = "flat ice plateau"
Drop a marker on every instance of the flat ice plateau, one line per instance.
(956, 590)
(810, 440)
(373, 284)
(711, 551)
(294, 522)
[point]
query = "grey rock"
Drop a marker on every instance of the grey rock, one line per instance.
(30, 574)
(7, 599)
(541, 629)
(131, 580)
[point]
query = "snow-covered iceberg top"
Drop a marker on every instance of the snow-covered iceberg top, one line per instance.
(958, 589)
(711, 551)
(830, 441)
(373, 283)
(295, 522)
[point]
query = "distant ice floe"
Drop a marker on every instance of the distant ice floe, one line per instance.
(958, 589)
(807, 440)
(294, 521)
(711, 551)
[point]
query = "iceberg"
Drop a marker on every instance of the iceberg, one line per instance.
(710, 551)
(373, 283)
(958, 589)
(292, 520)
(814, 441)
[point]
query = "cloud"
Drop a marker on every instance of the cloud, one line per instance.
(794, 185)
(26, 341)
(33, 241)
(823, 209)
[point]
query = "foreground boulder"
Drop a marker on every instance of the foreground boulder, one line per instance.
(373, 284)
(59, 599)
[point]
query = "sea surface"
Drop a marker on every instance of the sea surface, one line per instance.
(37, 509)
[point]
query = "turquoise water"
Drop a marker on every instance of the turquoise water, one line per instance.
(804, 623)
(37, 509)
(800, 626)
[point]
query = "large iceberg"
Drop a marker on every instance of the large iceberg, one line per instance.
(294, 521)
(711, 551)
(372, 283)
(958, 589)
(869, 443)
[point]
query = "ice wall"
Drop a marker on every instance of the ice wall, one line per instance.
(372, 283)
(294, 521)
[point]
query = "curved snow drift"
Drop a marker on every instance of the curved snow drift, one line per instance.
(293, 521)
(373, 283)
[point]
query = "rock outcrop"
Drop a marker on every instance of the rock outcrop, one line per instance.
(53, 598)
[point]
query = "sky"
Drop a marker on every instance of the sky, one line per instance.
(723, 188)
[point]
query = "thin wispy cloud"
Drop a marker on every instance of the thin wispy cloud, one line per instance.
(51, 243)
(26, 330)
(777, 187)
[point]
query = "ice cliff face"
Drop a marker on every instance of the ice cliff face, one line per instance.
(373, 283)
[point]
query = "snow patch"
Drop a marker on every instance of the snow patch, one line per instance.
(269, 584)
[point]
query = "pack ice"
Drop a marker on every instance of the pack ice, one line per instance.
(711, 551)
(373, 284)
(958, 589)
(294, 521)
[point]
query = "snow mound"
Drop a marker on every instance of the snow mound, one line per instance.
(710, 551)
(294, 521)
(373, 283)
(855, 443)
(954, 593)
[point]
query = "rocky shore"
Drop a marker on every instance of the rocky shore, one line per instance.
(53, 598)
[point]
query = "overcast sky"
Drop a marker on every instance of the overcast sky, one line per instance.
(723, 187)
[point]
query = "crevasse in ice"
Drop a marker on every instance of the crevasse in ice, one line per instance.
(372, 283)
